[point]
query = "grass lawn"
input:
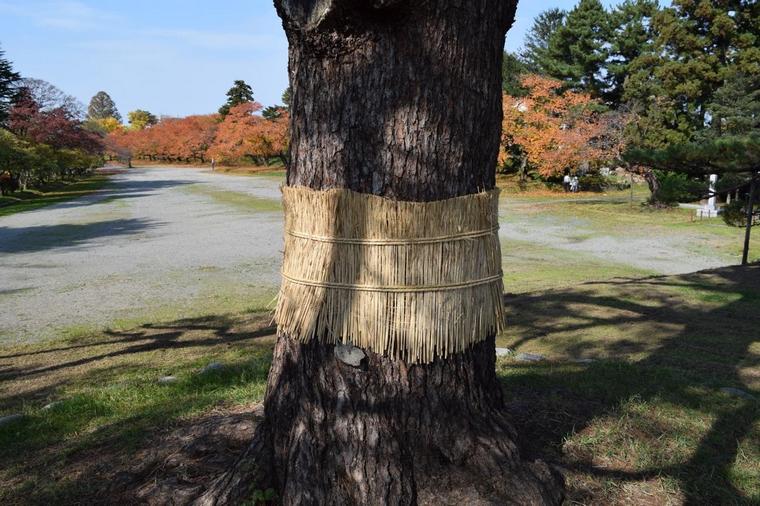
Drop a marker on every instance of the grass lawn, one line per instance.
(628, 401)
(52, 193)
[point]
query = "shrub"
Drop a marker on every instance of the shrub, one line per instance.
(676, 188)
(735, 214)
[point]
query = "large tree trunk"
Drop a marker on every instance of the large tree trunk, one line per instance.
(398, 98)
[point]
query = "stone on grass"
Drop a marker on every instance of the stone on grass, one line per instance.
(51, 405)
(529, 357)
(503, 352)
(166, 380)
(213, 366)
(350, 355)
(8, 419)
(736, 392)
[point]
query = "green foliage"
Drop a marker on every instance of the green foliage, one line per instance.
(631, 36)
(36, 164)
(698, 47)
(675, 187)
(240, 93)
(735, 107)
(8, 81)
(140, 119)
(735, 214)
(597, 183)
(273, 111)
(533, 54)
(286, 96)
(577, 50)
(102, 107)
(511, 71)
(716, 156)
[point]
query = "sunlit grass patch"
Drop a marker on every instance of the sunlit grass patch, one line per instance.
(238, 200)
(648, 418)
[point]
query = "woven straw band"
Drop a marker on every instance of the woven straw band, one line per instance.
(410, 280)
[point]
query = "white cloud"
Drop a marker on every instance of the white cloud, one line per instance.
(62, 14)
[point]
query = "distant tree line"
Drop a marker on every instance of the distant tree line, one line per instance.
(651, 78)
(242, 132)
(43, 133)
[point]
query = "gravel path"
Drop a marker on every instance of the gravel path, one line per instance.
(145, 245)
(161, 243)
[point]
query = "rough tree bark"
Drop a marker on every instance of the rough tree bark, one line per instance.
(399, 98)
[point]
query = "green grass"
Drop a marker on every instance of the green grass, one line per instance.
(53, 193)
(645, 422)
(646, 418)
(528, 267)
(238, 200)
(108, 400)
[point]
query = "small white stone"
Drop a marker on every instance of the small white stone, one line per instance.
(503, 352)
(51, 405)
(166, 380)
(350, 355)
(213, 366)
(529, 357)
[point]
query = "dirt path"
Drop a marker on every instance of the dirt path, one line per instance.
(164, 244)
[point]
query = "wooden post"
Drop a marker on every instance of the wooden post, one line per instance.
(750, 206)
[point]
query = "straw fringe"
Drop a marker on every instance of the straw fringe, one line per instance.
(410, 280)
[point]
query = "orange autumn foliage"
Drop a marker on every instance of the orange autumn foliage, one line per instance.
(242, 133)
(555, 130)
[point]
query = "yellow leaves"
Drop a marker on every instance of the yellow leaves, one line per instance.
(110, 124)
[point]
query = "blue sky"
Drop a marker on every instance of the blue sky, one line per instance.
(171, 57)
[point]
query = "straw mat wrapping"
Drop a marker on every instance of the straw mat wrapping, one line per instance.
(409, 280)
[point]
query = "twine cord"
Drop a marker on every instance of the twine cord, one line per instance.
(394, 289)
(413, 281)
(396, 241)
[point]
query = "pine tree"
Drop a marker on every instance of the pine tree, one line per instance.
(577, 51)
(533, 53)
(631, 36)
(102, 107)
(735, 107)
(240, 93)
(286, 97)
(699, 47)
(8, 87)
(512, 70)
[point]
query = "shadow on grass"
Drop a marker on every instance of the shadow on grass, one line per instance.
(703, 351)
(699, 349)
(107, 433)
(148, 337)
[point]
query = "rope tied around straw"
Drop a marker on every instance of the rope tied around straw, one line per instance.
(410, 280)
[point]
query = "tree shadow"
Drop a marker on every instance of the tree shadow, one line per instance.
(146, 338)
(694, 334)
(45, 237)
